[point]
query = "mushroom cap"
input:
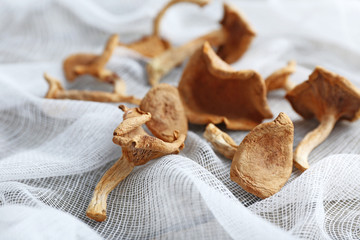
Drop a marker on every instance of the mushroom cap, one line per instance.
(138, 146)
(239, 35)
(149, 46)
(74, 60)
(263, 161)
(91, 62)
(168, 114)
(212, 92)
(326, 93)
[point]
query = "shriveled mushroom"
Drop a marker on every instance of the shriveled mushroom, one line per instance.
(83, 63)
(280, 78)
(137, 149)
(329, 98)
(212, 92)
(232, 40)
(153, 45)
(56, 91)
(168, 114)
(262, 163)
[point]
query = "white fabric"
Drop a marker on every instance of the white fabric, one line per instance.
(53, 152)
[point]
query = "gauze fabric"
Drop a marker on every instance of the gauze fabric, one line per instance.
(53, 152)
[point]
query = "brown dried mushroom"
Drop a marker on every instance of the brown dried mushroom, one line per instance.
(212, 92)
(137, 149)
(263, 162)
(83, 63)
(168, 114)
(56, 91)
(280, 78)
(232, 40)
(153, 45)
(329, 98)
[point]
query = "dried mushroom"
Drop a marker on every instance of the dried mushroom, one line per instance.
(212, 92)
(83, 63)
(280, 78)
(168, 114)
(56, 91)
(329, 98)
(263, 162)
(137, 149)
(232, 40)
(153, 45)
(221, 141)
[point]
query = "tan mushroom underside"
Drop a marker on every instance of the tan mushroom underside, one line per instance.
(263, 161)
(212, 92)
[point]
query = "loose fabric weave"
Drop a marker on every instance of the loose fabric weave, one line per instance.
(53, 152)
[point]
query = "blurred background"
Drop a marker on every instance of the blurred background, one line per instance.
(48, 30)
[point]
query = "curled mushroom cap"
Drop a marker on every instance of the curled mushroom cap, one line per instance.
(328, 97)
(263, 162)
(280, 78)
(212, 92)
(83, 63)
(168, 114)
(238, 35)
(232, 39)
(137, 149)
(138, 146)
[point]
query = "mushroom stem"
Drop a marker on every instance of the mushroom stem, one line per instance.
(312, 140)
(103, 75)
(280, 78)
(221, 141)
(56, 91)
(96, 96)
(162, 64)
(118, 172)
(97, 67)
(160, 15)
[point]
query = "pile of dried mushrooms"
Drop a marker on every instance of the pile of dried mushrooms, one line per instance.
(210, 92)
